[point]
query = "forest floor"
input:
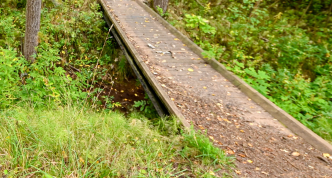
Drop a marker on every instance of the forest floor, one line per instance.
(261, 145)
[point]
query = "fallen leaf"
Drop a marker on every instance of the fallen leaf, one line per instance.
(201, 127)
(249, 161)
(257, 169)
(81, 160)
(242, 155)
(284, 151)
(326, 155)
(204, 87)
(265, 173)
(211, 173)
(190, 70)
(295, 154)
(231, 152)
(242, 131)
(227, 120)
(238, 172)
(250, 144)
(176, 39)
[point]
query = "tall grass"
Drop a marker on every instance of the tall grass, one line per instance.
(68, 141)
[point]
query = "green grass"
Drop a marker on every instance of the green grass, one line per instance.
(68, 141)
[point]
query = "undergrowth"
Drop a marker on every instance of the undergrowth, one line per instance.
(281, 48)
(71, 141)
(75, 54)
(53, 122)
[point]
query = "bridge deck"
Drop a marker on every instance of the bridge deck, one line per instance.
(181, 72)
(195, 92)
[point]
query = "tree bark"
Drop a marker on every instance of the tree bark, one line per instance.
(32, 26)
(161, 3)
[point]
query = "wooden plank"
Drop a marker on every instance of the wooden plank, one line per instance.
(139, 61)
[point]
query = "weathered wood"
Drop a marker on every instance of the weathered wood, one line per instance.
(283, 117)
(144, 68)
(223, 83)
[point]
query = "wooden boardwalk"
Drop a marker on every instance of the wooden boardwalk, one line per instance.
(176, 68)
(197, 92)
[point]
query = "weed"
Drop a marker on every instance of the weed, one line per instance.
(146, 107)
(70, 140)
(161, 12)
(205, 147)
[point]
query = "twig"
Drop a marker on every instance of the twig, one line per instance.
(78, 70)
(328, 15)
(255, 7)
(95, 68)
(305, 11)
(291, 163)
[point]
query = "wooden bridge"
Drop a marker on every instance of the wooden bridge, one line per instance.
(181, 82)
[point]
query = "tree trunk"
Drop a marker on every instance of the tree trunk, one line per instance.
(161, 3)
(32, 27)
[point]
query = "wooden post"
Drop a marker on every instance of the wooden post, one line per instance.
(32, 26)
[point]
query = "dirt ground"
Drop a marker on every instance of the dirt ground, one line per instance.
(125, 93)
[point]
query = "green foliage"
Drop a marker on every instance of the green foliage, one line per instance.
(68, 39)
(206, 149)
(46, 128)
(146, 107)
(198, 23)
(161, 12)
(68, 140)
(278, 47)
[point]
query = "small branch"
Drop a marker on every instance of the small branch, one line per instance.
(95, 68)
(78, 70)
(255, 7)
(328, 15)
(199, 3)
(276, 2)
(305, 11)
